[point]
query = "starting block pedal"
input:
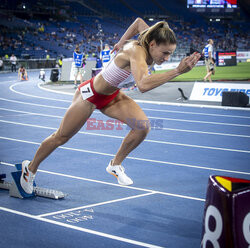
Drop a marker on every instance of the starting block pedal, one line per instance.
(2, 176)
(16, 190)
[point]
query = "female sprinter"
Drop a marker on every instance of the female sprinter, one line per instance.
(154, 45)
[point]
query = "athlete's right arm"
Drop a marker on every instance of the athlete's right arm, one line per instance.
(135, 28)
(146, 82)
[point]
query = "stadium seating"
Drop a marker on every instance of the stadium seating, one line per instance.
(88, 22)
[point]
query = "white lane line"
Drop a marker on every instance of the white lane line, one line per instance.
(53, 91)
(192, 105)
(29, 95)
(157, 110)
(8, 82)
(170, 103)
(115, 185)
(196, 113)
(163, 128)
(146, 140)
(32, 113)
(209, 133)
(133, 158)
(122, 137)
(32, 104)
(97, 204)
(172, 111)
(16, 115)
(81, 229)
(150, 117)
(203, 122)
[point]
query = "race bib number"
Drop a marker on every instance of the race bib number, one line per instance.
(86, 91)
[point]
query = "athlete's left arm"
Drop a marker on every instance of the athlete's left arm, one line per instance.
(135, 28)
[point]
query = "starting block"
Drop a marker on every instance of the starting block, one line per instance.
(15, 189)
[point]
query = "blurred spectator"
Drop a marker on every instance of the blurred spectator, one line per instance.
(60, 62)
(105, 55)
(98, 63)
(1, 64)
(42, 75)
(41, 28)
(209, 60)
(22, 74)
(64, 36)
(13, 61)
(79, 64)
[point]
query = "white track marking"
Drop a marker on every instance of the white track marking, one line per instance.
(53, 91)
(150, 117)
(192, 105)
(85, 230)
(169, 103)
(196, 113)
(29, 95)
(32, 104)
(135, 158)
(146, 140)
(139, 101)
(97, 204)
(158, 110)
(203, 122)
(113, 184)
(164, 128)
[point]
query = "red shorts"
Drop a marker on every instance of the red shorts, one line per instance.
(88, 93)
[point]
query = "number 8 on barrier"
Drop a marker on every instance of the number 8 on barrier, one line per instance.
(246, 228)
(226, 222)
(210, 235)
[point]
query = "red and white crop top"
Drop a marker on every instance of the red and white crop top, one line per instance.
(116, 76)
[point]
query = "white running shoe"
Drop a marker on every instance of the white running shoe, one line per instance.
(27, 178)
(119, 172)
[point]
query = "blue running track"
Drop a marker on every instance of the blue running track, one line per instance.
(170, 169)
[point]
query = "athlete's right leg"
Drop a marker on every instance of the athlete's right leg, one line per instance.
(75, 117)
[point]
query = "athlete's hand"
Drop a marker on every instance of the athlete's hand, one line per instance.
(117, 47)
(188, 63)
